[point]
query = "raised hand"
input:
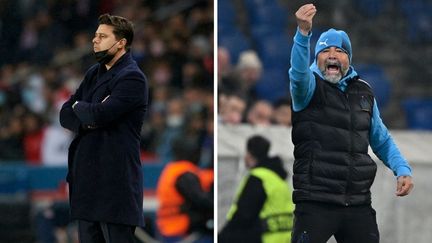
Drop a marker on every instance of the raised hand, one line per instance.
(304, 16)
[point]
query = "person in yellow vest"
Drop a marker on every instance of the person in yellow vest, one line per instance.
(184, 205)
(262, 210)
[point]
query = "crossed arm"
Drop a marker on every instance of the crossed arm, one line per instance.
(127, 95)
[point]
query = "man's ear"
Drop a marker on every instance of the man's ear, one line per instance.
(122, 43)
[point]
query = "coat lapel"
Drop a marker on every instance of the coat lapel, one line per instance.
(125, 60)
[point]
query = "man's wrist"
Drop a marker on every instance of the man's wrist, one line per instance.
(304, 32)
(403, 171)
(302, 39)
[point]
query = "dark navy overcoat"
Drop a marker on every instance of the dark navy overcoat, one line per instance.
(104, 169)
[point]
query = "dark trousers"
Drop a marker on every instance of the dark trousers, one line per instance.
(98, 232)
(316, 222)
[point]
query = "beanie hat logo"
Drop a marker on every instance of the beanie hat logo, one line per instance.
(336, 38)
(324, 42)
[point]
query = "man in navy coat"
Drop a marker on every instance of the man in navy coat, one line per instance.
(106, 114)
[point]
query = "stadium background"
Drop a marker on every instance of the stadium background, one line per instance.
(392, 50)
(45, 49)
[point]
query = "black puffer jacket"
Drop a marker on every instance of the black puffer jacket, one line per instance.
(331, 139)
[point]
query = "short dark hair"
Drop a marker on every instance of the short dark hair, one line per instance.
(258, 146)
(123, 28)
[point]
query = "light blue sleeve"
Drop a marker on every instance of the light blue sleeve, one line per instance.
(385, 148)
(302, 80)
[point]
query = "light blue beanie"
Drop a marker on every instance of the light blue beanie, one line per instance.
(336, 38)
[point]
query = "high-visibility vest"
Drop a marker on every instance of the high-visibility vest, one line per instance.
(206, 177)
(171, 220)
(276, 215)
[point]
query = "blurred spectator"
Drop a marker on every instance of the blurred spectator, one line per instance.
(55, 144)
(175, 117)
(224, 64)
(243, 78)
(231, 108)
(260, 113)
(282, 112)
(184, 206)
(249, 67)
(192, 74)
(33, 134)
(11, 140)
(153, 129)
(262, 210)
(161, 73)
(248, 71)
(227, 81)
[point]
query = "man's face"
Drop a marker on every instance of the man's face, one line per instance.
(224, 62)
(250, 162)
(233, 109)
(260, 114)
(282, 115)
(250, 75)
(333, 63)
(104, 38)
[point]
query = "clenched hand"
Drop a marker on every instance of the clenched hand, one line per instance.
(304, 16)
(404, 185)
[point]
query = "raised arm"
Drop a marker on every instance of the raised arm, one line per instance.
(302, 80)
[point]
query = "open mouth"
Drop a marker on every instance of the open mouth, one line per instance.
(333, 68)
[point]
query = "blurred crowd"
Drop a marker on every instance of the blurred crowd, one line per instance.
(255, 42)
(237, 99)
(46, 49)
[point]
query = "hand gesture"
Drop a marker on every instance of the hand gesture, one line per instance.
(304, 16)
(404, 185)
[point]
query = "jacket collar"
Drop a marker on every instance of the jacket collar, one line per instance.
(104, 75)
